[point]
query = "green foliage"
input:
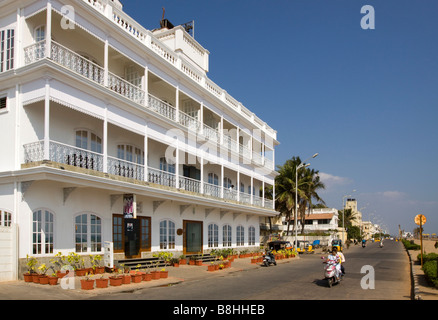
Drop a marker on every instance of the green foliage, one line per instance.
(430, 271)
(410, 245)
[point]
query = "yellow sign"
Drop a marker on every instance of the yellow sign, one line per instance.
(420, 219)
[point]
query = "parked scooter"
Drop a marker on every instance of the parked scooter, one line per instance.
(330, 274)
(269, 259)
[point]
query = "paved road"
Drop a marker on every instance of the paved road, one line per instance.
(302, 279)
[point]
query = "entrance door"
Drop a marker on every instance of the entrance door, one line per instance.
(192, 237)
(132, 239)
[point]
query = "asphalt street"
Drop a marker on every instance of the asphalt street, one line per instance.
(372, 273)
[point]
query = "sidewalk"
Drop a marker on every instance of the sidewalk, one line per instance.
(422, 289)
(20, 290)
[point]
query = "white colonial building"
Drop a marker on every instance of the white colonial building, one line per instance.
(113, 132)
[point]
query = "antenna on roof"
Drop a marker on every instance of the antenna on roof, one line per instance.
(164, 10)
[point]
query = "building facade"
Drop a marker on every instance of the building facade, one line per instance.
(115, 133)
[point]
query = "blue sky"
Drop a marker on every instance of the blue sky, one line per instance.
(365, 100)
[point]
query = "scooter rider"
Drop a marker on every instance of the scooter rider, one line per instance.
(341, 255)
(335, 259)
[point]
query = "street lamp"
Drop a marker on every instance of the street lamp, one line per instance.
(301, 165)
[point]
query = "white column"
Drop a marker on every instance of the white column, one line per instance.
(177, 104)
(47, 122)
(263, 193)
(48, 29)
(252, 188)
(146, 146)
(202, 173)
(222, 181)
(105, 141)
(105, 64)
(146, 85)
(238, 185)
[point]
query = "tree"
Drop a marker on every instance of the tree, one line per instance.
(308, 183)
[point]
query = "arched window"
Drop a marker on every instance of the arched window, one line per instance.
(240, 236)
(130, 153)
(40, 33)
(227, 183)
(88, 233)
(167, 234)
(213, 179)
(42, 232)
(251, 236)
(213, 235)
(88, 140)
(165, 166)
(226, 235)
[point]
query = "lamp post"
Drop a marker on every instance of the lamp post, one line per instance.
(301, 165)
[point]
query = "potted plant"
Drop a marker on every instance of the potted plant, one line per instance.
(174, 262)
(192, 260)
(102, 282)
(43, 279)
(31, 262)
(182, 259)
(53, 279)
(126, 277)
(164, 273)
(87, 283)
(95, 264)
(115, 279)
(211, 267)
(147, 276)
(136, 275)
(60, 263)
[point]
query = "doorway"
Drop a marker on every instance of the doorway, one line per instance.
(192, 236)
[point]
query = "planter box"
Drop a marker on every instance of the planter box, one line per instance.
(211, 267)
(27, 277)
(199, 262)
(136, 278)
(126, 279)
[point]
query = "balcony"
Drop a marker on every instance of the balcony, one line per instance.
(76, 157)
(98, 75)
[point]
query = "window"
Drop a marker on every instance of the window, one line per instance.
(226, 235)
(88, 141)
(5, 218)
(227, 183)
(242, 187)
(88, 233)
(251, 236)
(130, 153)
(3, 103)
(145, 233)
(213, 179)
(240, 236)
(42, 232)
(167, 167)
(118, 233)
(132, 76)
(40, 33)
(167, 234)
(213, 235)
(6, 49)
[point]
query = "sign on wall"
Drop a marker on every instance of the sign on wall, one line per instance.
(129, 206)
(108, 256)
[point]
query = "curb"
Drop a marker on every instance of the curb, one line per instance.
(414, 280)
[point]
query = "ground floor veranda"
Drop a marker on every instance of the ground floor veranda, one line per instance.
(67, 212)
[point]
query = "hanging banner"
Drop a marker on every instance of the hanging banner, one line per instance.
(129, 206)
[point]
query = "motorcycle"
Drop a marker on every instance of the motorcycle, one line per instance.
(363, 244)
(269, 259)
(381, 244)
(330, 274)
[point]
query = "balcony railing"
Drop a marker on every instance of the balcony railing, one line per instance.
(86, 159)
(90, 70)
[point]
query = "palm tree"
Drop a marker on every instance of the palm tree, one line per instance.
(285, 188)
(348, 216)
(308, 184)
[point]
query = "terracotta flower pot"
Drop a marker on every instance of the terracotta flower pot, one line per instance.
(27, 277)
(126, 279)
(44, 279)
(136, 278)
(102, 283)
(115, 281)
(80, 272)
(147, 277)
(211, 268)
(183, 261)
(61, 274)
(164, 274)
(99, 270)
(199, 262)
(53, 281)
(35, 278)
(87, 284)
(155, 275)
